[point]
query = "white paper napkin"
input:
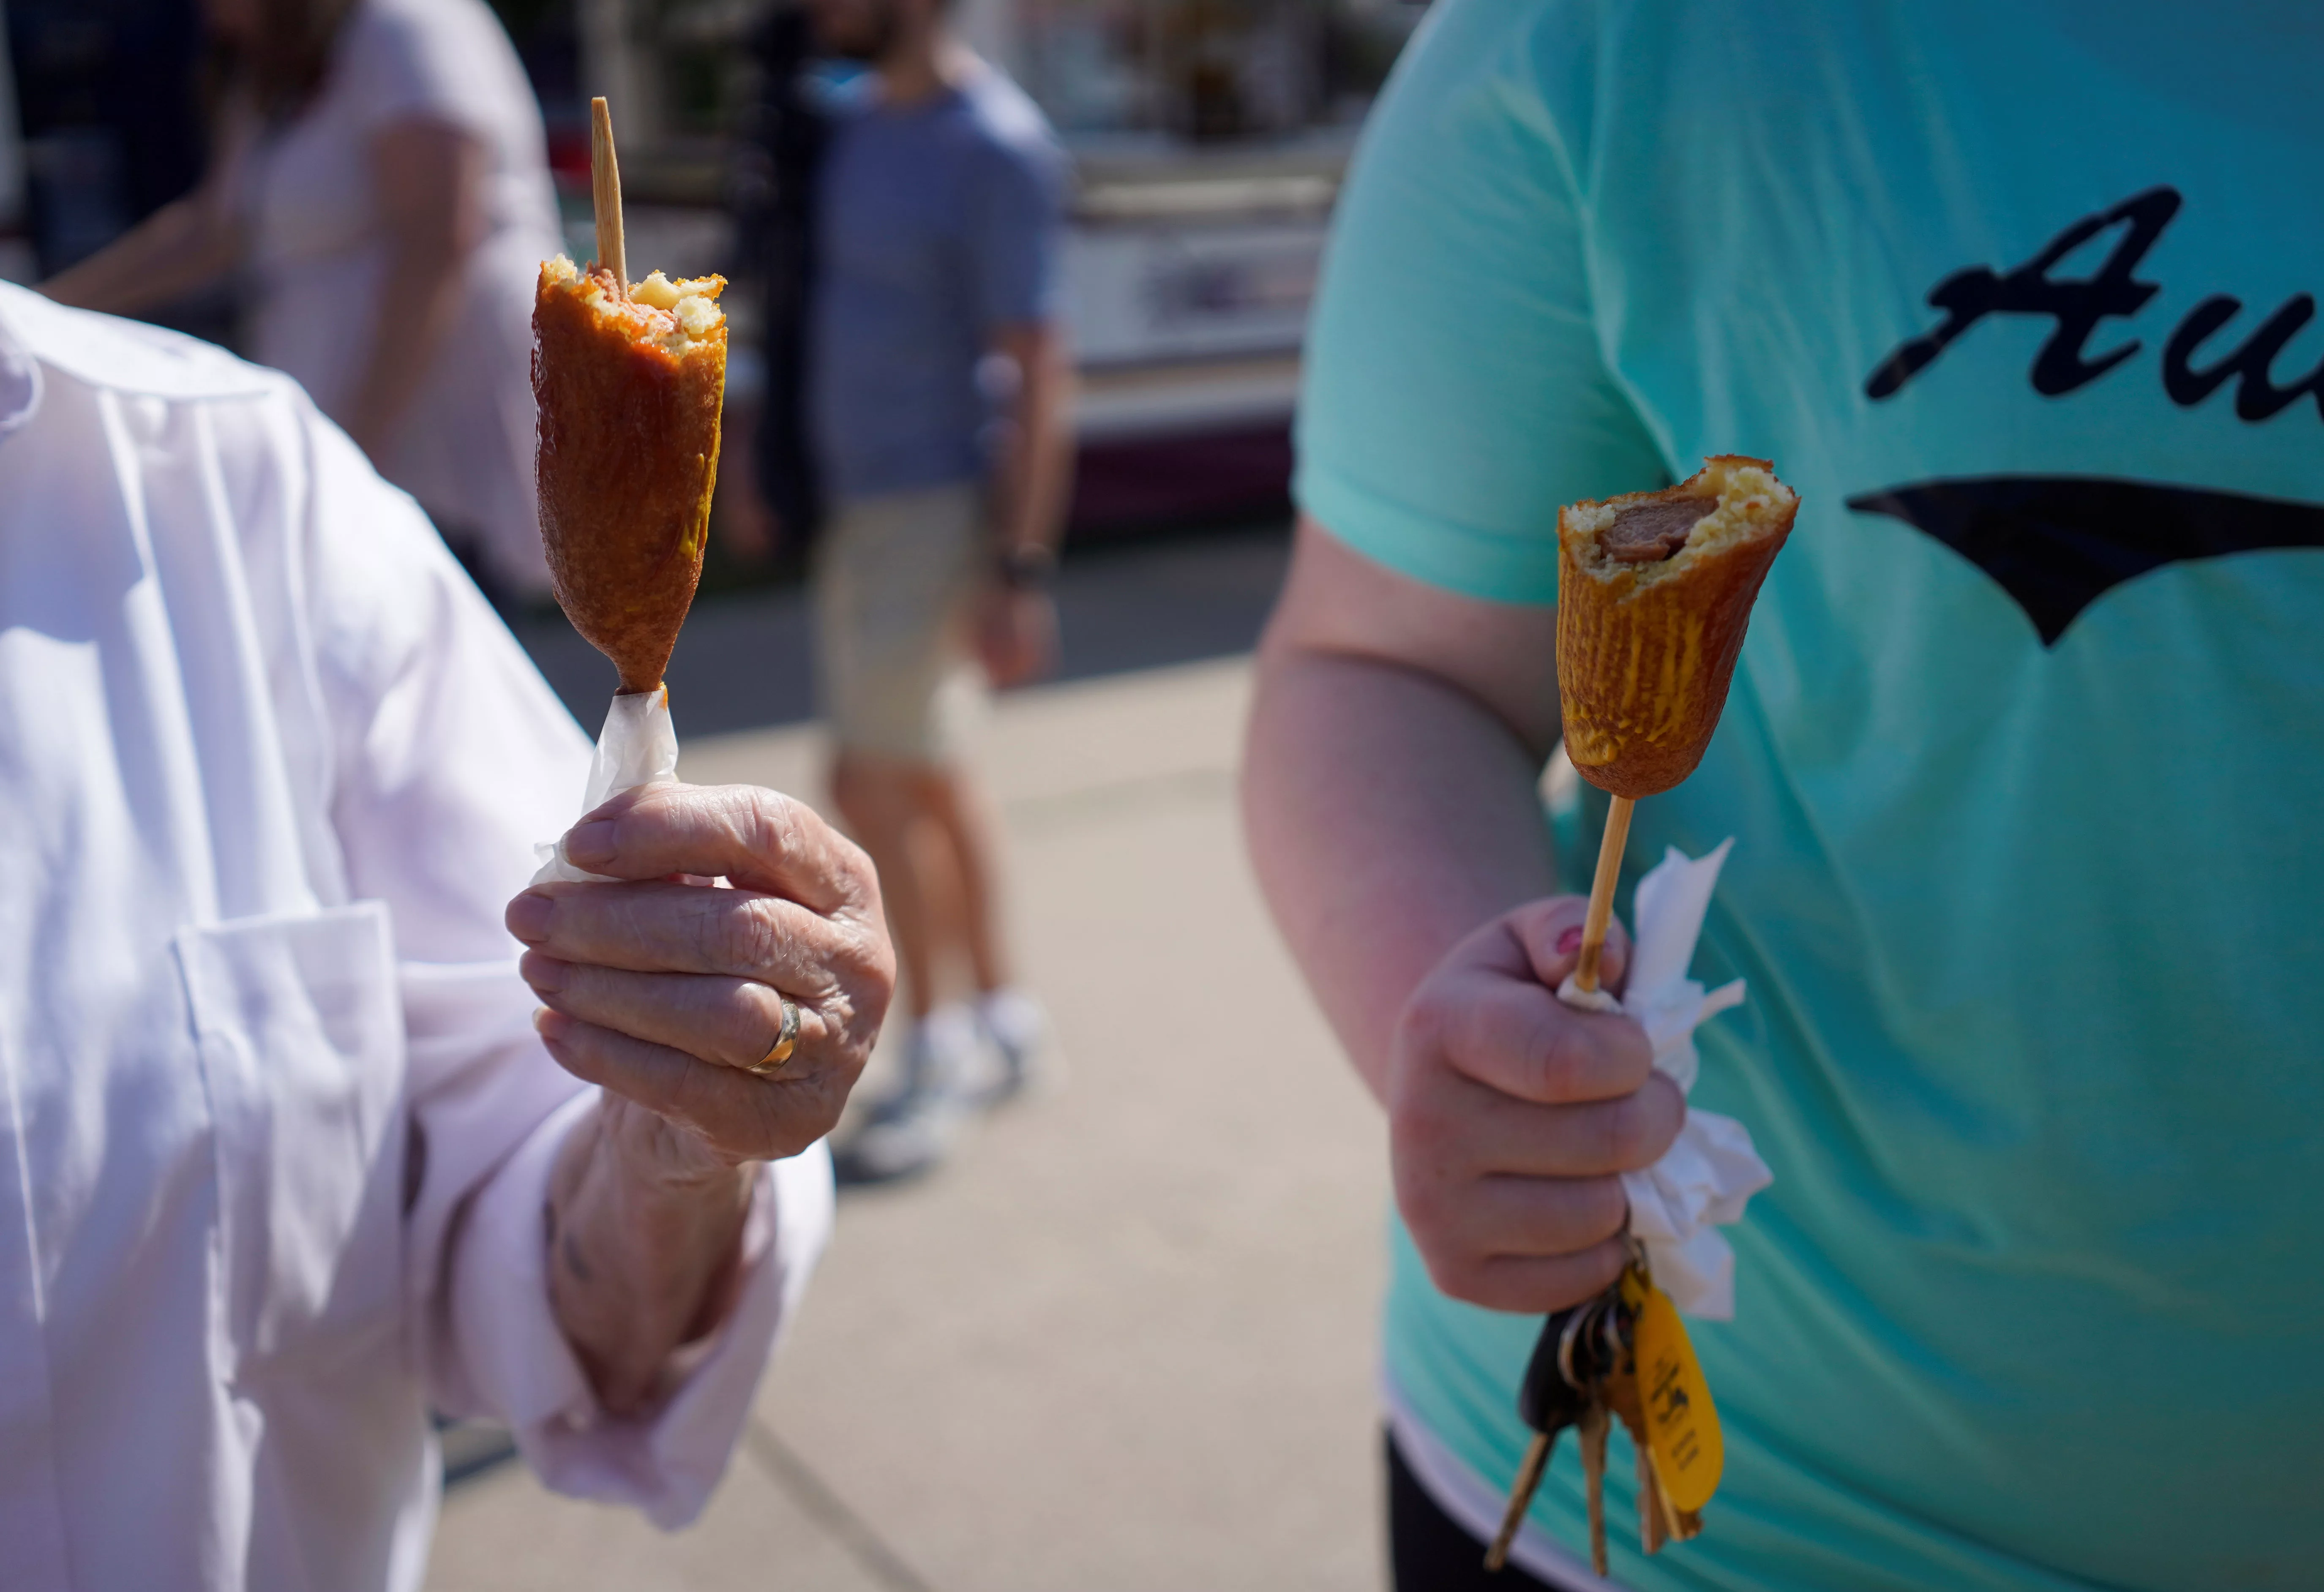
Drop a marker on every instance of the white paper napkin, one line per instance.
(638, 746)
(1711, 1171)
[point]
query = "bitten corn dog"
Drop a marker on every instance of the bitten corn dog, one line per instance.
(629, 384)
(1654, 592)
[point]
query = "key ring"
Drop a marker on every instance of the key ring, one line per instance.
(1574, 1325)
(1611, 1339)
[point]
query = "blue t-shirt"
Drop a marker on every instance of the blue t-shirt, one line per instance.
(937, 222)
(2024, 755)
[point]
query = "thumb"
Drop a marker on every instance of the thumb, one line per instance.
(1549, 930)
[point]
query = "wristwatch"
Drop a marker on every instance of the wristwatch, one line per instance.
(1026, 568)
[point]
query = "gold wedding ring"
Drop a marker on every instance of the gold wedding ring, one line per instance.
(786, 1040)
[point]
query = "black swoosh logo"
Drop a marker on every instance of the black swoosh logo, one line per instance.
(2059, 543)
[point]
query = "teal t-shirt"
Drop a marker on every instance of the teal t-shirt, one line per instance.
(2025, 758)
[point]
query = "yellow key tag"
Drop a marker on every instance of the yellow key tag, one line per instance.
(1682, 1423)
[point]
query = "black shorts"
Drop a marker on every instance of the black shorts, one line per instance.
(1429, 1550)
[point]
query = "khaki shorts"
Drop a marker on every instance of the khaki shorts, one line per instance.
(895, 579)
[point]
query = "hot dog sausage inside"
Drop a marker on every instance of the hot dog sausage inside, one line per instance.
(1648, 533)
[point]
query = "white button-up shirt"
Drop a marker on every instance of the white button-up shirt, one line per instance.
(275, 1131)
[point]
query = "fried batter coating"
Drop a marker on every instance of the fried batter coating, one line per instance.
(1654, 592)
(630, 389)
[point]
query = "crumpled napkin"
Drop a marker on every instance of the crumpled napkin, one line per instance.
(1711, 1171)
(638, 746)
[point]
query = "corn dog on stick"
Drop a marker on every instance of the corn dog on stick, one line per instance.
(629, 379)
(1653, 595)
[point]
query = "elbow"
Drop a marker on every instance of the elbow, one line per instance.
(434, 244)
(1269, 724)
(467, 231)
(198, 236)
(1042, 360)
(1046, 402)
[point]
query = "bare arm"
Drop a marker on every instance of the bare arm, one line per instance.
(645, 1229)
(1019, 633)
(1388, 793)
(184, 245)
(746, 521)
(1389, 782)
(429, 179)
(1037, 456)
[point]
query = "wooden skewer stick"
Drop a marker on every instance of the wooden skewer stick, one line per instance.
(1602, 893)
(606, 192)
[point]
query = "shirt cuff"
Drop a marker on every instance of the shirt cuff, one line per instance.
(522, 1369)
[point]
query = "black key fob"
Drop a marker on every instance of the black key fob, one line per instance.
(1546, 1401)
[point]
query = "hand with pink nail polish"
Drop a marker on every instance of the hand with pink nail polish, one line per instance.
(1512, 1116)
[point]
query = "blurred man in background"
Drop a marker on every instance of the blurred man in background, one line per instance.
(2020, 763)
(938, 408)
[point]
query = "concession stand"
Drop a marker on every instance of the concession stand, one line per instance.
(1208, 139)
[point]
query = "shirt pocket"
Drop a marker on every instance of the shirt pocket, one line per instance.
(299, 1030)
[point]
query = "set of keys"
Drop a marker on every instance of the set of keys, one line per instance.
(1622, 1356)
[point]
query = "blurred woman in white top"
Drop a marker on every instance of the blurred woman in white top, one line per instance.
(380, 177)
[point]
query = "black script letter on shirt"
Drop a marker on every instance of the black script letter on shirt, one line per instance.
(1968, 297)
(2257, 397)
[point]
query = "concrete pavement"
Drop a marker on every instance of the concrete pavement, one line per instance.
(1127, 1341)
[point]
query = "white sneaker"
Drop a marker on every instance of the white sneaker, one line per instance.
(1018, 1029)
(916, 1123)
